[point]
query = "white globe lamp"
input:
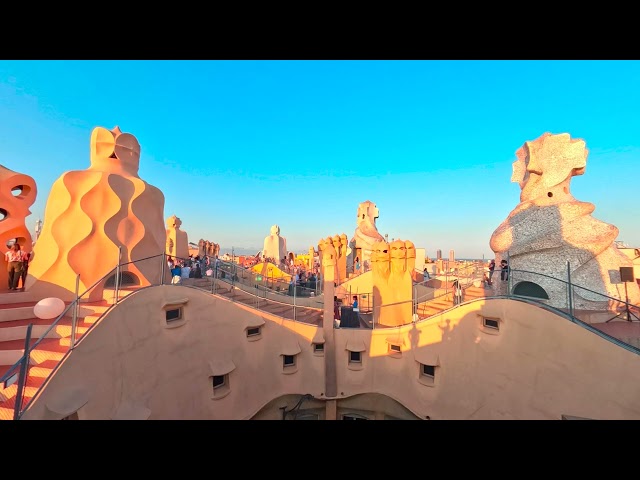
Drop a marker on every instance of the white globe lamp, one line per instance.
(48, 308)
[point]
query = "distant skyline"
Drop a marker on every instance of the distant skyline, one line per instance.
(238, 146)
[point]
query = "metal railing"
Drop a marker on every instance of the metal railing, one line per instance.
(585, 304)
(68, 321)
(582, 305)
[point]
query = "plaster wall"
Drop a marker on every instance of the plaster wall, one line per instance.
(537, 365)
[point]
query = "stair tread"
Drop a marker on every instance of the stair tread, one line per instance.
(66, 322)
(25, 322)
(47, 344)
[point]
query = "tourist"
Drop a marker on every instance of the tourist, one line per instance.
(14, 265)
(425, 275)
(26, 259)
(357, 266)
(457, 292)
(492, 267)
(504, 270)
(336, 310)
(355, 304)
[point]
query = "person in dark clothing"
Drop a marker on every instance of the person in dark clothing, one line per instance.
(504, 270)
(25, 268)
(492, 267)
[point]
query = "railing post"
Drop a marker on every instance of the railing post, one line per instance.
(295, 288)
(22, 379)
(74, 318)
(117, 282)
(570, 289)
(164, 265)
(373, 311)
(508, 274)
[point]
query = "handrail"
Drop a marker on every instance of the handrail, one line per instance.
(141, 259)
(573, 285)
(23, 362)
(62, 315)
(54, 324)
(10, 372)
(271, 300)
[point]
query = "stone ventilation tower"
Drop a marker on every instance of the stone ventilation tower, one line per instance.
(549, 229)
(392, 265)
(91, 214)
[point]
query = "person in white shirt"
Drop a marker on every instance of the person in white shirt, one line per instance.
(14, 259)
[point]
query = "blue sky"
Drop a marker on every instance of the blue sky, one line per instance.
(238, 146)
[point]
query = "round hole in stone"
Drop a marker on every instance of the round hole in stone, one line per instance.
(549, 194)
(3, 214)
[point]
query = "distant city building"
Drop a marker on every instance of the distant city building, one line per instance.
(38, 229)
(438, 254)
(452, 256)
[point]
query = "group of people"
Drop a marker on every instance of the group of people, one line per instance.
(504, 271)
(192, 267)
(17, 266)
(303, 281)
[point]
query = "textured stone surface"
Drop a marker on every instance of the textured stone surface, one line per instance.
(90, 213)
(550, 228)
(275, 246)
(366, 234)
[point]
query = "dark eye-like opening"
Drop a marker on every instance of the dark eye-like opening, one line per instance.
(113, 155)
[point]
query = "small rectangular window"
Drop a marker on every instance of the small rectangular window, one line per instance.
(354, 416)
(219, 381)
(251, 332)
(395, 348)
(491, 323)
(173, 314)
(355, 357)
(288, 360)
(429, 371)
(318, 347)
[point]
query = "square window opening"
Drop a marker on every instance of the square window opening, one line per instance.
(219, 381)
(252, 332)
(353, 416)
(173, 314)
(355, 357)
(318, 347)
(491, 323)
(429, 371)
(288, 360)
(395, 348)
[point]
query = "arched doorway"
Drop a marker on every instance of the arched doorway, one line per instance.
(530, 289)
(127, 279)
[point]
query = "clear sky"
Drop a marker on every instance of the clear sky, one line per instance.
(238, 146)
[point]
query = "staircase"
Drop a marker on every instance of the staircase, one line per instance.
(14, 319)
